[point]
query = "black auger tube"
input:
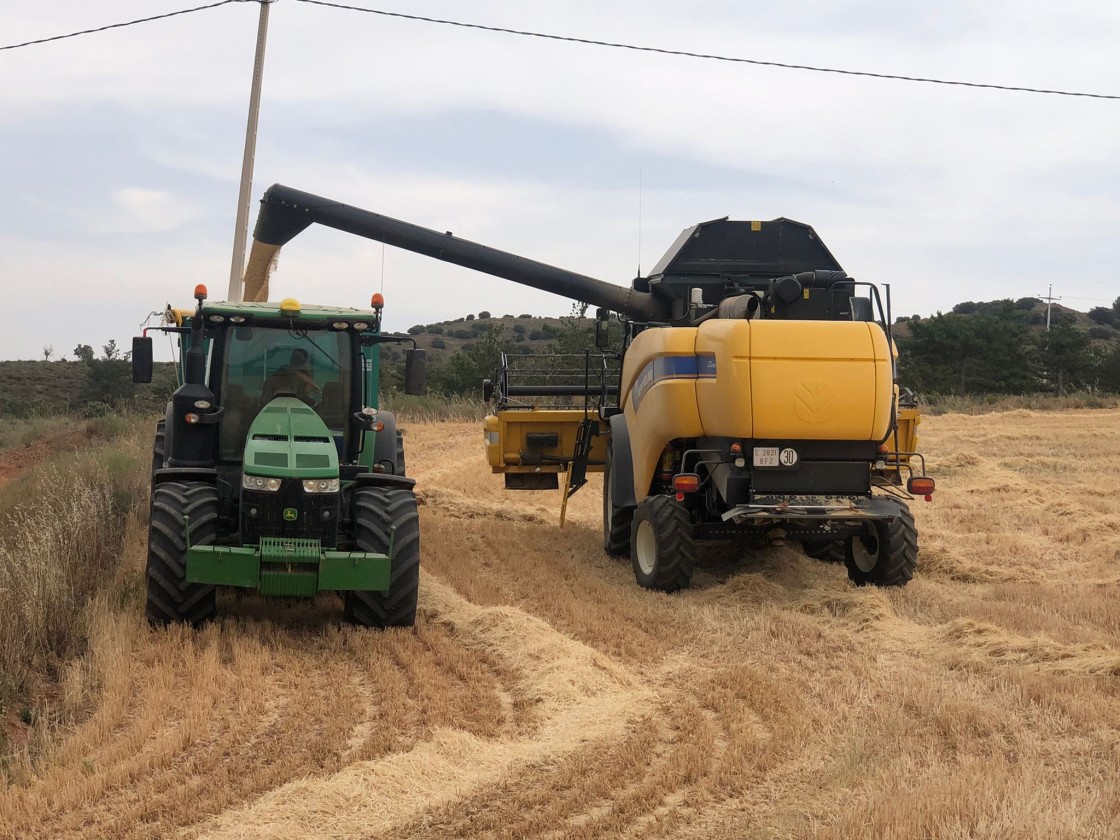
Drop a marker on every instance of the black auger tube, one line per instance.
(286, 211)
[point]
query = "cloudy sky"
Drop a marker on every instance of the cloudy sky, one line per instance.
(120, 152)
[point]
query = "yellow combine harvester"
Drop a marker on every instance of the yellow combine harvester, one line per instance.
(755, 394)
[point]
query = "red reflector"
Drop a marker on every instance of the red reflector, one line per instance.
(736, 448)
(686, 483)
(920, 486)
(929, 498)
(192, 418)
(680, 497)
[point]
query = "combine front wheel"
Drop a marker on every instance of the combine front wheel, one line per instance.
(170, 597)
(661, 546)
(377, 514)
(830, 551)
(886, 554)
(616, 520)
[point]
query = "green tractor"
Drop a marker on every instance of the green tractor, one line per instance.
(274, 469)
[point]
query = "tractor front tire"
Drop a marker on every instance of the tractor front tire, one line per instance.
(887, 553)
(662, 549)
(377, 514)
(617, 521)
(171, 599)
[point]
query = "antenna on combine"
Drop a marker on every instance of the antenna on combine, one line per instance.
(241, 226)
(639, 274)
(1049, 298)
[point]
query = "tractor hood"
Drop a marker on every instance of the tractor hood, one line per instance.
(289, 440)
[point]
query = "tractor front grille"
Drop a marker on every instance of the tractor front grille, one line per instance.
(315, 514)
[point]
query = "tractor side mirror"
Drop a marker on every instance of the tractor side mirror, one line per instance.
(142, 359)
(602, 329)
(415, 371)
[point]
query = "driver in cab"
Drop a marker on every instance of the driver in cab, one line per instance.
(294, 379)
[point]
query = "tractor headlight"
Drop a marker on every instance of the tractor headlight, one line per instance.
(256, 482)
(320, 485)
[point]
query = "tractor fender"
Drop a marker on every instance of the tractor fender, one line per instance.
(622, 463)
(209, 475)
(387, 480)
(385, 442)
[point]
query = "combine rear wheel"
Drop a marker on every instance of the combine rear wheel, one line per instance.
(616, 520)
(886, 554)
(661, 545)
(170, 597)
(376, 513)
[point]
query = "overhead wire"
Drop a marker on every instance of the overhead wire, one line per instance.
(707, 56)
(119, 25)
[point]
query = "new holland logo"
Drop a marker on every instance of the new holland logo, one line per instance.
(813, 401)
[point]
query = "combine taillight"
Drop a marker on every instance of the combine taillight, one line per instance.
(686, 482)
(921, 486)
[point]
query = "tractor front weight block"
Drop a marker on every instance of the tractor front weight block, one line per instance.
(291, 567)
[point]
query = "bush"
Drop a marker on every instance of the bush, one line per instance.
(462, 334)
(526, 317)
(519, 329)
(484, 314)
(967, 307)
(1102, 315)
(416, 330)
(435, 329)
(439, 343)
(1027, 303)
(470, 317)
(537, 335)
(1102, 332)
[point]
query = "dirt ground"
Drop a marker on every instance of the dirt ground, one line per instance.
(543, 694)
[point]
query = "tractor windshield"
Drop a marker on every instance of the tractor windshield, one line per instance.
(261, 364)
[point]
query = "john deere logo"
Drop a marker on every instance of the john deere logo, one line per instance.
(813, 401)
(291, 514)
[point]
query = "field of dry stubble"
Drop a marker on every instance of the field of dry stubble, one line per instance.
(543, 694)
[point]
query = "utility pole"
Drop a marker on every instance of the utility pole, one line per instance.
(241, 229)
(1049, 302)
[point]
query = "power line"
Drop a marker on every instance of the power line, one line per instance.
(687, 54)
(118, 25)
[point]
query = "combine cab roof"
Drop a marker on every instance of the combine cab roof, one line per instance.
(719, 249)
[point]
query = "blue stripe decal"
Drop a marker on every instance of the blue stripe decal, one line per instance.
(671, 367)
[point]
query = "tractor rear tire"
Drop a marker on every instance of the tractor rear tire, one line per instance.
(887, 553)
(662, 549)
(376, 513)
(171, 599)
(617, 521)
(829, 551)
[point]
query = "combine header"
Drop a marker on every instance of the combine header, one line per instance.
(755, 393)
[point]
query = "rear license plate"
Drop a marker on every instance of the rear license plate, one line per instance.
(772, 456)
(765, 456)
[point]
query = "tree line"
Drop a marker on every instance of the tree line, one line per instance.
(999, 347)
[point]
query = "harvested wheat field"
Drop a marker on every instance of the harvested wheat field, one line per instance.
(543, 694)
